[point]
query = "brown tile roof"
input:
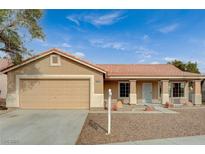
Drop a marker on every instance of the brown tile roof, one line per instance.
(166, 70)
(144, 70)
(4, 63)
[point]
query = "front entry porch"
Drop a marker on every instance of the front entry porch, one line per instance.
(140, 92)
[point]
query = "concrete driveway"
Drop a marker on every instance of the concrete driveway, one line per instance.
(41, 126)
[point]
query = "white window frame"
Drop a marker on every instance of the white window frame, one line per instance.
(119, 89)
(55, 64)
(172, 89)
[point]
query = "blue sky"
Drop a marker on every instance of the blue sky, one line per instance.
(126, 36)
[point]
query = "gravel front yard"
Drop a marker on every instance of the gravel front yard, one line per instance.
(132, 127)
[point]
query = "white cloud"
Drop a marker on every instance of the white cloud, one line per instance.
(169, 28)
(74, 19)
(79, 54)
(97, 19)
(107, 44)
(145, 52)
(39, 40)
(42, 42)
(141, 61)
(146, 38)
(46, 44)
(66, 45)
(106, 19)
(169, 58)
(155, 62)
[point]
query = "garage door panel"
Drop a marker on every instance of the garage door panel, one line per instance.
(54, 94)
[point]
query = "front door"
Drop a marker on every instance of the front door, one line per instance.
(147, 92)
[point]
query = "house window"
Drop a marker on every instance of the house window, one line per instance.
(178, 89)
(55, 60)
(124, 89)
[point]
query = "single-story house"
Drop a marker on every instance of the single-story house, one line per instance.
(58, 80)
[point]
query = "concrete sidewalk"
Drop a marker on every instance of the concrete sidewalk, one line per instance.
(163, 110)
(190, 140)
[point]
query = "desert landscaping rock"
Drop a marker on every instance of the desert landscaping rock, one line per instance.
(132, 127)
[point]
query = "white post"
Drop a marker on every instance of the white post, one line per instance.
(109, 111)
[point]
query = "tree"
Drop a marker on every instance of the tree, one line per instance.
(179, 64)
(192, 67)
(12, 24)
(188, 67)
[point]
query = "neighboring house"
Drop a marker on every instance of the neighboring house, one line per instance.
(4, 63)
(58, 80)
(203, 91)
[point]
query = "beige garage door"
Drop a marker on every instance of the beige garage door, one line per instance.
(54, 94)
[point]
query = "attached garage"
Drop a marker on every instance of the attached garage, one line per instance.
(55, 80)
(54, 93)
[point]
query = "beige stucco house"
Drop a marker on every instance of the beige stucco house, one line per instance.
(58, 80)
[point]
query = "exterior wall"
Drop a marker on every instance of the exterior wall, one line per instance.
(133, 92)
(197, 86)
(139, 90)
(156, 98)
(182, 99)
(113, 85)
(187, 90)
(154, 91)
(165, 91)
(3, 85)
(197, 98)
(42, 67)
